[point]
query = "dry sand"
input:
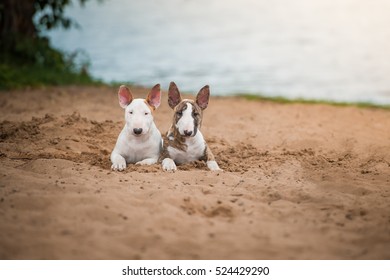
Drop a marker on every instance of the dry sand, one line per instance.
(299, 182)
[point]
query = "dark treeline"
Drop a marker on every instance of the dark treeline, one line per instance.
(26, 56)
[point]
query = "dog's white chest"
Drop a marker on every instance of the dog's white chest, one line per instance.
(134, 149)
(195, 150)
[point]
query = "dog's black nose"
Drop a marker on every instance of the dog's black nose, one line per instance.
(187, 133)
(137, 131)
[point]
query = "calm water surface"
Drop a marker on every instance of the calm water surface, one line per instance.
(318, 49)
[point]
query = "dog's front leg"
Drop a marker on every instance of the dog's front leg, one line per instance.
(147, 161)
(118, 162)
(168, 165)
(210, 161)
(213, 165)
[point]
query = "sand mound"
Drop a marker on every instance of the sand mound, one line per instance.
(299, 181)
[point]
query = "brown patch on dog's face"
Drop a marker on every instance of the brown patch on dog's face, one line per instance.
(197, 114)
(178, 111)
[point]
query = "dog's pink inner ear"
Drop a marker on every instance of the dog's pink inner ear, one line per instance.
(154, 97)
(202, 99)
(174, 96)
(125, 96)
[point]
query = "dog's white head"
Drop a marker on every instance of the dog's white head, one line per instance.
(187, 117)
(138, 112)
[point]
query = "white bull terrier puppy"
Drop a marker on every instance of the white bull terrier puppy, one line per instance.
(139, 141)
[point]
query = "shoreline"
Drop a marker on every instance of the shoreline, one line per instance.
(285, 100)
(248, 96)
(277, 98)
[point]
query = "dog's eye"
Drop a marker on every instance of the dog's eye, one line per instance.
(196, 114)
(146, 113)
(131, 112)
(179, 113)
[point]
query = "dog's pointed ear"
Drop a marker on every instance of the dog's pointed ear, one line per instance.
(154, 97)
(174, 96)
(202, 98)
(124, 95)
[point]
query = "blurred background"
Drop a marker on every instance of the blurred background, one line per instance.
(336, 50)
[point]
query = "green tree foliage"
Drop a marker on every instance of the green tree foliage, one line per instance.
(52, 13)
(26, 57)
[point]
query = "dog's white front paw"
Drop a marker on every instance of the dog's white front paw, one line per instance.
(168, 165)
(147, 161)
(119, 164)
(213, 165)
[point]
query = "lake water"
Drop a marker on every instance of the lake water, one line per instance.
(317, 49)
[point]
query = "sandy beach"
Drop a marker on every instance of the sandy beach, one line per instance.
(300, 181)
